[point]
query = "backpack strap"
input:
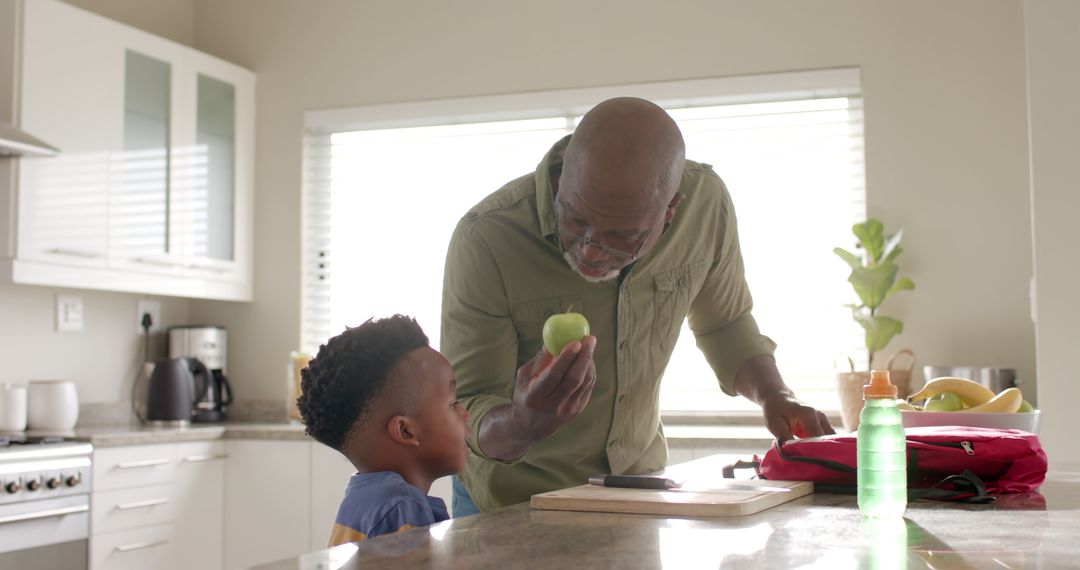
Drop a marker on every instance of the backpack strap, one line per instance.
(967, 488)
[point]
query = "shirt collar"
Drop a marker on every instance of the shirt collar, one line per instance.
(545, 194)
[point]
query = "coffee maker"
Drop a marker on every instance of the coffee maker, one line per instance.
(208, 344)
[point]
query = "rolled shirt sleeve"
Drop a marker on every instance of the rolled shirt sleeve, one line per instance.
(719, 315)
(477, 332)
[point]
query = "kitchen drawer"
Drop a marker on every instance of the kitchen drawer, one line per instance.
(135, 466)
(149, 547)
(123, 509)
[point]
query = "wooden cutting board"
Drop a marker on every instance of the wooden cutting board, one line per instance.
(674, 502)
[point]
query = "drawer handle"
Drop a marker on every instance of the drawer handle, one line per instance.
(75, 252)
(45, 514)
(141, 545)
(138, 464)
(201, 458)
(142, 504)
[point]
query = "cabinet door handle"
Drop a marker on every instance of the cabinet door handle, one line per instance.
(212, 268)
(142, 504)
(75, 252)
(141, 545)
(138, 464)
(153, 261)
(201, 458)
(45, 514)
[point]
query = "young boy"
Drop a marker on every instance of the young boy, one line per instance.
(385, 399)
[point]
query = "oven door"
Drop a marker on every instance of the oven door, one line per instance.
(48, 533)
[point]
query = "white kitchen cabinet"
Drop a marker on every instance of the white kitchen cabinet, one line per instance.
(199, 526)
(267, 515)
(158, 506)
(330, 473)
(153, 189)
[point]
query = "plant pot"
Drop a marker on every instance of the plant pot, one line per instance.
(850, 386)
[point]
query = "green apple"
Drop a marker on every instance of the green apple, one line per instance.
(1025, 407)
(562, 329)
(944, 402)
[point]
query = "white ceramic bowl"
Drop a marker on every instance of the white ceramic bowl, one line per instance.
(1028, 422)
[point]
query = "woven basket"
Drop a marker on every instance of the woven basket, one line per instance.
(850, 386)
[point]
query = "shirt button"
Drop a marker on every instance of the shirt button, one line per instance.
(548, 313)
(622, 399)
(624, 345)
(682, 282)
(611, 444)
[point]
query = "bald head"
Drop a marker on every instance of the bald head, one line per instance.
(625, 158)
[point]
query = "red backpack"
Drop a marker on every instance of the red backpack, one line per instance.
(944, 462)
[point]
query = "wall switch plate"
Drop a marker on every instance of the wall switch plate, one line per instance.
(69, 313)
(151, 307)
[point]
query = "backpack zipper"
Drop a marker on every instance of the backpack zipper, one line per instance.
(967, 446)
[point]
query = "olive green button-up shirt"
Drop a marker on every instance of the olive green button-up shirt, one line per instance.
(505, 275)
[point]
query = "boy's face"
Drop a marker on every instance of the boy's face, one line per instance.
(443, 422)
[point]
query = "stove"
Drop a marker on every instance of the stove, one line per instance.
(44, 502)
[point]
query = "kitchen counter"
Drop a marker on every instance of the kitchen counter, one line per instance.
(1030, 530)
(136, 434)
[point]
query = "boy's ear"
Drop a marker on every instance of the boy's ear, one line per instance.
(403, 430)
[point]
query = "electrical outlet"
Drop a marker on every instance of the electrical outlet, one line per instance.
(151, 307)
(69, 313)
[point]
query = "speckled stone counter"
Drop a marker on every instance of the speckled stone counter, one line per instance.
(135, 434)
(1032, 530)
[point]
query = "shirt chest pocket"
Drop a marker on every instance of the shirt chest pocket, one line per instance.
(529, 318)
(673, 291)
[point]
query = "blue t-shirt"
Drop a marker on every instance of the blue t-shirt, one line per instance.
(383, 503)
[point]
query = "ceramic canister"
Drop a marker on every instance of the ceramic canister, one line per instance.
(12, 408)
(51, 405)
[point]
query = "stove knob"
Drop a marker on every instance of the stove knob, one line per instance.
(73, 480)
(54, 482)
(13, 487)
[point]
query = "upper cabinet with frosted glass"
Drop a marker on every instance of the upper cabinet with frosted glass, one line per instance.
(152, 190)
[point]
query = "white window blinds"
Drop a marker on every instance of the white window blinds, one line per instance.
(385, 186)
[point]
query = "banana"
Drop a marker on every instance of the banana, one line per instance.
(1007, 401)
(904, 405)
(970, 392)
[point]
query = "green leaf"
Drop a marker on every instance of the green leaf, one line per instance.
(872, 284)
(879, 330)
(904, 284)
(871, 236)
(891, 245)
(851, 259)
(891, 256)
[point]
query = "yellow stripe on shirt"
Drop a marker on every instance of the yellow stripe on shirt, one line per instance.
(343, 534)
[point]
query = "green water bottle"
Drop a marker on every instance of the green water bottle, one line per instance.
(882, 450)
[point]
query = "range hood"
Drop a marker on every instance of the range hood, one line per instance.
(15, 142)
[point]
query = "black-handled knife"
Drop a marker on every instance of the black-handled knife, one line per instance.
(633, 481)
(666, 484)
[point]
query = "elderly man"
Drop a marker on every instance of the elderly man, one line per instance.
(617, 225)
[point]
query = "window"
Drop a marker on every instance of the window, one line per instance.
(386, 185)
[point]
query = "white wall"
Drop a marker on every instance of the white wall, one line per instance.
(945, 110)
(1054, 96)
(104, 357)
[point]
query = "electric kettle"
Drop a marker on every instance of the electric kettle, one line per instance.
(171, 391)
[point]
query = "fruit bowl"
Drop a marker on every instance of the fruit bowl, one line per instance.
(1026, 421)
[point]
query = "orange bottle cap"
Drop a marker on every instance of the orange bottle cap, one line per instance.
(879, 386)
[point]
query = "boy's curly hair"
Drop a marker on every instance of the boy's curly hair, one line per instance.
(350, 372)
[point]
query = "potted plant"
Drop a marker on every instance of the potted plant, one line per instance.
(874, 278)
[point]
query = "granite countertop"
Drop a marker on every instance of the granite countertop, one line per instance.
(138, 434)
(1030, 530)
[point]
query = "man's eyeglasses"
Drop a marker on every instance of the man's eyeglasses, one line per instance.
(614, 253)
